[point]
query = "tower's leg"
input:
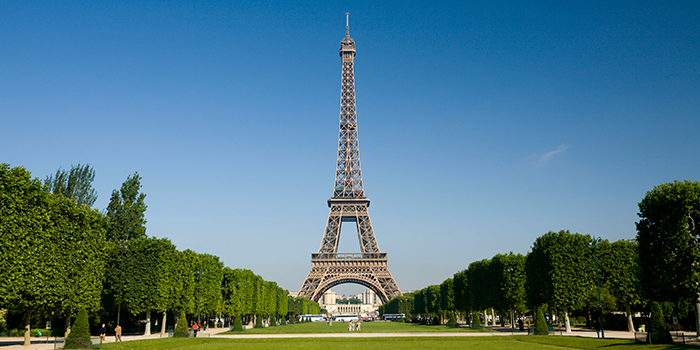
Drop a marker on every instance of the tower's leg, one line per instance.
(368, 242)
(329, 243)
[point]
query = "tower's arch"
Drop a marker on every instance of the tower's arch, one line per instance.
(361, 280)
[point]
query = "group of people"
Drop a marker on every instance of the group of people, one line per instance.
(117, 332)
(354, 326)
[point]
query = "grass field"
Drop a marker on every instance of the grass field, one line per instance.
(367, 327)
(440, 343)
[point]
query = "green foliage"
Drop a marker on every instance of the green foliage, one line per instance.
(79, 337)
(657, 326)
(210, 274)
(76, 184)
(237, 324)
(453, 320)
(419, 302)
(476, 321)
(560, 270)
(238, 289)
(78, 256)
(181, 329)
(509, 273)
(432, 300)
(259, 321)
(668, 232)
(51, 248)
(483, 285)
(399, 305)
(540, 323)
(462, 294)
(144, 286)
(447, 295)
(25, 239)
(619, 272)
(126, 212)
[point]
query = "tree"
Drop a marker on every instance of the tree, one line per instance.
(126, 212)
(668, 235)
(447, 298)
(483, 286)
(145, 285)
(619, 265)
(509, 273)
(77, 257)
(560, 271)
(25, 243)
(181, 330)
(476, 323)
(76, 184)
(657, 327)
(540, 323)
(209, 274)
(433, 302)
(462, 292)
(419, 303)
(79, 338)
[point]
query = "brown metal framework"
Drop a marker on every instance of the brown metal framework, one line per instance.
(348, 204)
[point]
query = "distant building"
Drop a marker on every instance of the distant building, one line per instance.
(368, 307)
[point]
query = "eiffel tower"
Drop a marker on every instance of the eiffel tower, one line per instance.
(348, 204)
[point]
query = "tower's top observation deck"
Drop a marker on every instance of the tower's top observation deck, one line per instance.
(347, 45)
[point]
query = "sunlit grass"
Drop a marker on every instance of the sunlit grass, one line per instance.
(367, 327)
(441, 343)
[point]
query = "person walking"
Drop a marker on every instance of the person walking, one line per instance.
(596, 325)
(195, 328)
(103, 331)
(118, 333)
(358, 326)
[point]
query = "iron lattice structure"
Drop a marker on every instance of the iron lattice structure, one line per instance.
(348, 204)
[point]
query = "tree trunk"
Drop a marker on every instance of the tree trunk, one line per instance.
(493, 317)
(67, 323)
(588, 319)
(630, 324)
(697, 317)
(27, 327)
(503, 318)
(162, 326)
(566, 319)
(148, 323)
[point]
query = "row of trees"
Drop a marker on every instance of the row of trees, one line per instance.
(560, 272)
(59, 256)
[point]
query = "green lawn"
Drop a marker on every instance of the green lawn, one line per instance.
(367, 327)
(442, 343)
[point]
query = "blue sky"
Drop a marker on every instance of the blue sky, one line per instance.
(482, 125)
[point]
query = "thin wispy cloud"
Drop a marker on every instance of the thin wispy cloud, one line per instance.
(547, 156)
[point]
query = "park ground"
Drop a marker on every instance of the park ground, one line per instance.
(374, 335)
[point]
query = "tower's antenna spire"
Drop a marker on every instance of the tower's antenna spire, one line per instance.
(347, 23)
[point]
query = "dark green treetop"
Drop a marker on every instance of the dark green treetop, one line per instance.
(668, 233)
(75, 184)
(560, 270)
(126, 212)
